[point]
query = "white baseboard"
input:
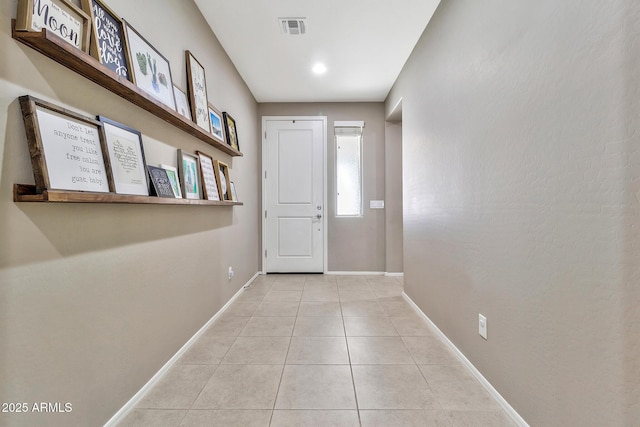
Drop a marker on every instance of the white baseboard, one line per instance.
(131, 404)
(474, 371)
(394, 274)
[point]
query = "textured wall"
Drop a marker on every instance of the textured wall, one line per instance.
(94, 299)
(355, 244)
(393, 196)
(522, 198)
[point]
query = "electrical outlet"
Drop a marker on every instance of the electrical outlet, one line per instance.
(482, 326)
(230, 272)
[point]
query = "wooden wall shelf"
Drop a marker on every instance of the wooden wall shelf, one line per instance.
(27, 193)
(76, 60)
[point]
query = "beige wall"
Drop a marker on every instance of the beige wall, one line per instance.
(94, 299)
(521, 193)
(393, 191)
(355, 244)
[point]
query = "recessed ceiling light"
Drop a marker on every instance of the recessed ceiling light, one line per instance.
(319, 69)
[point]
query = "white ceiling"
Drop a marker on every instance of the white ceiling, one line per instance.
(363, 43)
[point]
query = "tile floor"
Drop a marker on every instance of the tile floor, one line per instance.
(315, 350)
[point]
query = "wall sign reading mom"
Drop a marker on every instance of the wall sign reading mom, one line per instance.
(66, 149)
(61, 17)
(108, 42)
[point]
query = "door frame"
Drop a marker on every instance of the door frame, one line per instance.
(325, 222)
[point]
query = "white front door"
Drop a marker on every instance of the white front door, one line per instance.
(294, 177)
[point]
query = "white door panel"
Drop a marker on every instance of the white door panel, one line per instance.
(294, 195)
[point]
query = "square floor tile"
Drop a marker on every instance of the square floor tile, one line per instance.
(241, 387)
(429, 351)
(227, 418)
(392, 387)
(456, 389)
(314, 418)
(153, 418)
(372, 326)
(319, 308)
(240, 309)
(318, 326)
(480, 419)
(258, 351)
(227, 326)
(404, 418)
(178, 388)
(318, 351)
(320, 279)
(316, 387)
(269, 327)
(357, 295)
(398, 308)
(288, 286)
(321, 294)
(412, 326)
(362, 309)
(277, 309)
(378, 351)
(283, 296)
(207, 350)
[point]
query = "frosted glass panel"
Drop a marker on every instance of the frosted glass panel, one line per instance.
(348, 176)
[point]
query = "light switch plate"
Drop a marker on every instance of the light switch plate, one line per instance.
(376, 204)
(482, 326)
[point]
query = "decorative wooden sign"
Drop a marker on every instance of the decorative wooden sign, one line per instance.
(67, 152)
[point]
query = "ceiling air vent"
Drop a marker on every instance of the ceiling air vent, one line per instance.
(293, 26)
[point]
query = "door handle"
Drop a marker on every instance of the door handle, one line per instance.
(318, 216)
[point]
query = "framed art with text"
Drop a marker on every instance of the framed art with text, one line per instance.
(172, 174)
(151, 71)
(197, 88)
(61, 17)
(209, 184)
(66, 148)
(189, 174)
(108, 44)
(160, 183)
(126, 156)
(223, 181)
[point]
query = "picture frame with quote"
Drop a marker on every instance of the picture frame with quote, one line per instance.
(231, 131)
(125, 152)
(189, 174)
(172, 174)
(223, 180)
(209, 185)
(150, 70)
(108, 41)
(160, 183)
(60, 17)
(67, 149)
(217, 126)
(197, 88)
(182, 103)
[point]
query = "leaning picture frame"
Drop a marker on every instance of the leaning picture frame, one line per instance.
(209, 184)
(108, 41)
(233, 192)
(150, 71)
(126, 155)
(60, 17)
(67, 149)
(197, 88)
(231, 131)
(189, 174)
(182, 103)
(172, 174)
(223, 180)
(217, 127)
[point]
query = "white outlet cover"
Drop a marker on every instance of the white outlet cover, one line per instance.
(376, 204)
(482, 326)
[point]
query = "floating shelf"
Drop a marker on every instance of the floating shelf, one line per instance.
(27, 193)
(87, 66)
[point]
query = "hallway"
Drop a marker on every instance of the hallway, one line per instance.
(318, 350)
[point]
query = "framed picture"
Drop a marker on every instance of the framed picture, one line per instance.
(160, 183)
(150, 70)
(189, 173)
(231, 131)
(208, 177)
(215, 119)
(233, 192)
(222, 179)
(126, 156)
(60, 17)
(197, 86)
(108, 43)
(172, 174)
(182, 104)
(67, 149)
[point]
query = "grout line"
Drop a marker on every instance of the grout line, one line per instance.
(353, 380)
